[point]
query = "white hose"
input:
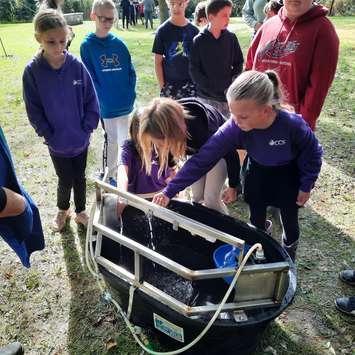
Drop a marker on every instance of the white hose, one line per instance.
(119, 308)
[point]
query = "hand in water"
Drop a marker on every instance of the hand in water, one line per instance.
(161, 199)
(229, 195)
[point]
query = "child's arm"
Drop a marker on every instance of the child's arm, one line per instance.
(158, 61)
(132, 74)
(309, 159)
(238, 59)
(34, 108)
(85, 58)
(230, 194)
(91, 107)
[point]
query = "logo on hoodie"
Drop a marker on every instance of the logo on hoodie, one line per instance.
(276, 49)
(110, 63)
(277, 142)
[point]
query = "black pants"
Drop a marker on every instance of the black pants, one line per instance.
(125, 17)
(71, 174)
(289, 218)
(275, 186)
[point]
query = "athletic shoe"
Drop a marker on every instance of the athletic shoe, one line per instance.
(346, 305)
(60, 220)
(348, 276)
(82, 218)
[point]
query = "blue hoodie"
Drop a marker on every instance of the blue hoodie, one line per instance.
(23, 233)
(61, 104)
(113, 74)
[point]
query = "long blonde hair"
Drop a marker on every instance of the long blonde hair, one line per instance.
(163, 119)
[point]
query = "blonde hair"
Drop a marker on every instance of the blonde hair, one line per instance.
(263, 88)
(134, 131)
(162, 119)
(49, 19)
(108, 4)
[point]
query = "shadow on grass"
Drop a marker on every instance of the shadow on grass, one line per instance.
(92, 324)
(312, 325)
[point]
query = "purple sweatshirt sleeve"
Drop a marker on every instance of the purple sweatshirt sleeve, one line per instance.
(91, 107)
(218, 145)
(34, 107)
(309, 157)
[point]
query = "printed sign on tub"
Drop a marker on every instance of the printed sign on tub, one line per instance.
(168, 328)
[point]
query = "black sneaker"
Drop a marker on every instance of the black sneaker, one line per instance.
(346, 305)
(348, 276)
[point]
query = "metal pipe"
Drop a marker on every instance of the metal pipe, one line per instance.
(194, 227)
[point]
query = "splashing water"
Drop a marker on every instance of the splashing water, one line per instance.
(151, 236)
(230, 257)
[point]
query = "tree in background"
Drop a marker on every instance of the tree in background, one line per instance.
(25, 10)
(7, 10)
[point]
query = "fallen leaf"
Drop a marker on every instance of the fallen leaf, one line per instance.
(110, 344)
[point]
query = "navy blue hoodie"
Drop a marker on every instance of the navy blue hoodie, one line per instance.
(214, 63)
(113, 74)
(61, 104)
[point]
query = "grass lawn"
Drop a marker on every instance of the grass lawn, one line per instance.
(55, 307)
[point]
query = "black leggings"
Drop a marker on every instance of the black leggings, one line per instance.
(71, 174)
(125, 17)
(289, 218)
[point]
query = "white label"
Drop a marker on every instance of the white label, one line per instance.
(168, 328)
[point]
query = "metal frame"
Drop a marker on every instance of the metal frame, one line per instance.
(272, 274)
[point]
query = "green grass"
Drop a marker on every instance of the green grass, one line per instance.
(55, 307)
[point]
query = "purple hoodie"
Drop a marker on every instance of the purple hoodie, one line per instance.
(288, 138)
(61, 104)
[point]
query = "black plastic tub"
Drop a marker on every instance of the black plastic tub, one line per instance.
(227, 335)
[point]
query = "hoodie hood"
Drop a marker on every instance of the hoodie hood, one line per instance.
(68, 60)
(104, 42)
(314, 12)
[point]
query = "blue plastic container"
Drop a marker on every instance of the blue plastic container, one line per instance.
(219, 256)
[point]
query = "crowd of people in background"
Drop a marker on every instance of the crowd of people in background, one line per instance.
(210, 104)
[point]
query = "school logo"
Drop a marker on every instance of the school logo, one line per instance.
(275, 49)
(277, 142)
(77, 82)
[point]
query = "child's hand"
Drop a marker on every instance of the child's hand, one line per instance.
(121, 205)
(229, 195)
(302, 197)
(161, 199)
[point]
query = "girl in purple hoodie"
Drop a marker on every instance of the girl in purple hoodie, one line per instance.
(62, 107)
(284, 156)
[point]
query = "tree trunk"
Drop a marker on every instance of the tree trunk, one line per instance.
(163, 11)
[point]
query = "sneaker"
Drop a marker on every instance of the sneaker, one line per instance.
(82, 218)
(346, 305)
(348, 276)
(60, 220)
